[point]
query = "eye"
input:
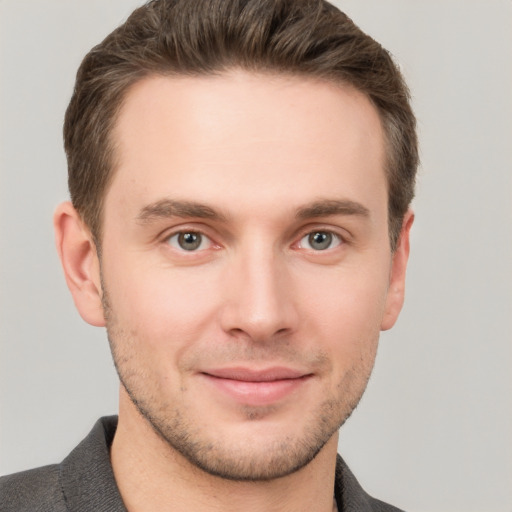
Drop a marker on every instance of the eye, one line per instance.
(189, 241)
(320, 240)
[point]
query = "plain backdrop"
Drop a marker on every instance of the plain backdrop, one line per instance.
(434, 430)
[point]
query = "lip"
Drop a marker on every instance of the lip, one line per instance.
(256, 387)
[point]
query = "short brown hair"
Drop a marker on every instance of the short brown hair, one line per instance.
(182, 37)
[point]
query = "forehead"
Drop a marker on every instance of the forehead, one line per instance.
(239, 131)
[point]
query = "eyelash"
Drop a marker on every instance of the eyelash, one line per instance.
(332, 238)
(184, 232)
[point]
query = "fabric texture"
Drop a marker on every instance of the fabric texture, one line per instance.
(84, 482)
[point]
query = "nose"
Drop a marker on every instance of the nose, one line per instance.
(258, 296)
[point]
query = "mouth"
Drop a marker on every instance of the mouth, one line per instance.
(256, 387)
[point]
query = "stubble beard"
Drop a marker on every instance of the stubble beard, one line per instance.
(279, 458)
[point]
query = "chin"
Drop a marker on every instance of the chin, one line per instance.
(256, 450)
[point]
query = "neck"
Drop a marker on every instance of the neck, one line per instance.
(152, 476)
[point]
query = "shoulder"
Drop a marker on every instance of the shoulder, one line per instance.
(36, 490)
(83, 481)
(352, 496)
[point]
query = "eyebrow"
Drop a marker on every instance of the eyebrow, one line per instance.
(166, 208)
(332, 207)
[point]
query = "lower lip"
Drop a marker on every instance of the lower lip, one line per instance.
(257, 393)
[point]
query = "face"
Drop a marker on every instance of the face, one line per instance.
(246, 266)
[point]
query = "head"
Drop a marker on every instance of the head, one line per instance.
(246, 169)
(303, 38)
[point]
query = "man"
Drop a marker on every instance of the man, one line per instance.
(240, 177)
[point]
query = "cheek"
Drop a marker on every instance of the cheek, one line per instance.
(346, 309)
(163, 308)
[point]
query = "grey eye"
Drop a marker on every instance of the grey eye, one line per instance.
(189, 241)
(320, 240)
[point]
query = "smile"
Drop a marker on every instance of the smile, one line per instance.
(256, 387)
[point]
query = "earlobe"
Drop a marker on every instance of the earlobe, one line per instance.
(396, 290)
(80, 263)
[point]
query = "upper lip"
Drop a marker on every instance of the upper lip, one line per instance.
(256, 375)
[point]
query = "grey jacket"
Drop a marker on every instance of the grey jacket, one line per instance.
(84, 482)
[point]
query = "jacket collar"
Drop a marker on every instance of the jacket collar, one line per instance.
(86, 474)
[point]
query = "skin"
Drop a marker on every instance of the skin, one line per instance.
(251, 166)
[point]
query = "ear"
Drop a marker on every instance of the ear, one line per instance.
(396, 290)
(79, 258)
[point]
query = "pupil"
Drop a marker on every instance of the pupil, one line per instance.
(320, 240)
(189, 241)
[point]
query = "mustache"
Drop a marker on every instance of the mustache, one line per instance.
(257, 355)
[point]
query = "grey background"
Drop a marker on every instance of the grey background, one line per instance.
(434, 430)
